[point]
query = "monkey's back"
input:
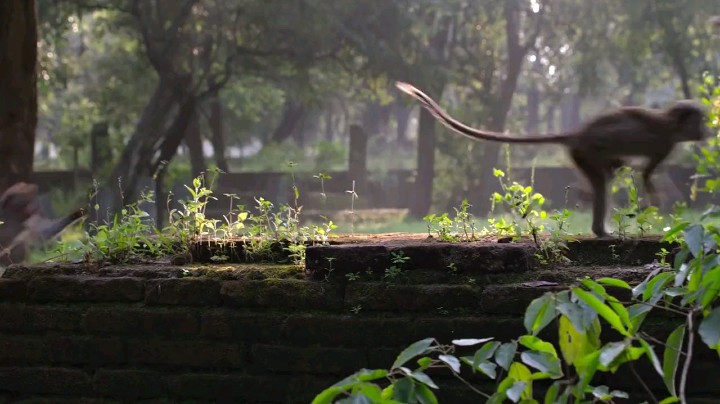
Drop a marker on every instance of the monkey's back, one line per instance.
(627, 132)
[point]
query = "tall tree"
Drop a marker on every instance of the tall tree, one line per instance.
(18, 90)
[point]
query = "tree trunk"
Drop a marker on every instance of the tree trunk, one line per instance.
(18, 90)
(501, 107)
(215, 122)
(135, 158)
(533, 109)
(402, 119)
(292, 114)
(193, 140)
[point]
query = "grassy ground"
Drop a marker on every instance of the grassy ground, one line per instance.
(578, 223)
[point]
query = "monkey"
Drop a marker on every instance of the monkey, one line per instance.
(603, 144)
(23, 225)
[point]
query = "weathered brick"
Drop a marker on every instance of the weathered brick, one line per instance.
(55, 318)
(45, 380)
(22, 350)
(502, 329)
(80, 289)
(303, 389)
(311, 329)
(222, 387)
(128, 384)
(380, 296)
(12, 290)
(184, 291)
(248, 327)
(440, 328)
(313, 360)
(511, 299)
(79, 350)
(21, 317)
(12, 317)
(141, 321)
(282, 294)
(197, 354)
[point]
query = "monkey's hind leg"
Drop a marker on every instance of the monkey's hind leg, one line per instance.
(647, 173)
(596, 173)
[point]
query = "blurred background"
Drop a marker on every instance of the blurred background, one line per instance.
(285, 95)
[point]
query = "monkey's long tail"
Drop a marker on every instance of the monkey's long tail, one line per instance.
(471, 132)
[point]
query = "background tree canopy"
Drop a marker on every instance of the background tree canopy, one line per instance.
(244, 85)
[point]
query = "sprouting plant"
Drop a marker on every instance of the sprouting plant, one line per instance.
(352, 276)
(452, 267)
(356, 309)
(442, 225)
(464, 221)
(330, 268)
(523, 203)
(398, 259)
(353, 196)
(662, 255)
(322, 177)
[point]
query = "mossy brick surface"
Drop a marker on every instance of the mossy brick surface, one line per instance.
(381, 296)
(141, 321)
(184, 291)
(45, 380)
(343, 330)
(12, 290)
(227, 387)
(246, 326)
(185, 353)
(83, 289)
(128, 384)
(307, 360)
(475, 257)
(20, 317)
(282, 294)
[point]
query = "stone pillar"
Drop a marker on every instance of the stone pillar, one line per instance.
(357, 162)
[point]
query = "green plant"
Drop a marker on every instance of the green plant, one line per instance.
(644, 218)
(353, 196)
(523, 203)
(398, 260)
(442, 225)
(352, 276)
(322, 177)
(688, 292)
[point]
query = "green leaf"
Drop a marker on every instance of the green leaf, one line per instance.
(514, 393)
(539, 313)
(652, 356)
(709, 329)
(404, 390)
(423, 378)
(669, 400)
(418, 348)
(611, 351)
(519, 373)
(534, 343)
(694, 236)
(505, 354)
(425, 395)
(470, 341)
(451, 361)
(328, 395)
(602, 309)
(486, 367)
(671, 357)
(543, 362)
(618, 283)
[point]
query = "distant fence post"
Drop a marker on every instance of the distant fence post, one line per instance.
(357, 162)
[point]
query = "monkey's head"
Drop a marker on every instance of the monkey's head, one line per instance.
(689, 119)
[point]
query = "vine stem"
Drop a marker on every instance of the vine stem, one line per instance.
(688, 359)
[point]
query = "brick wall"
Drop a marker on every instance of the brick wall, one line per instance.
(132, 334)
